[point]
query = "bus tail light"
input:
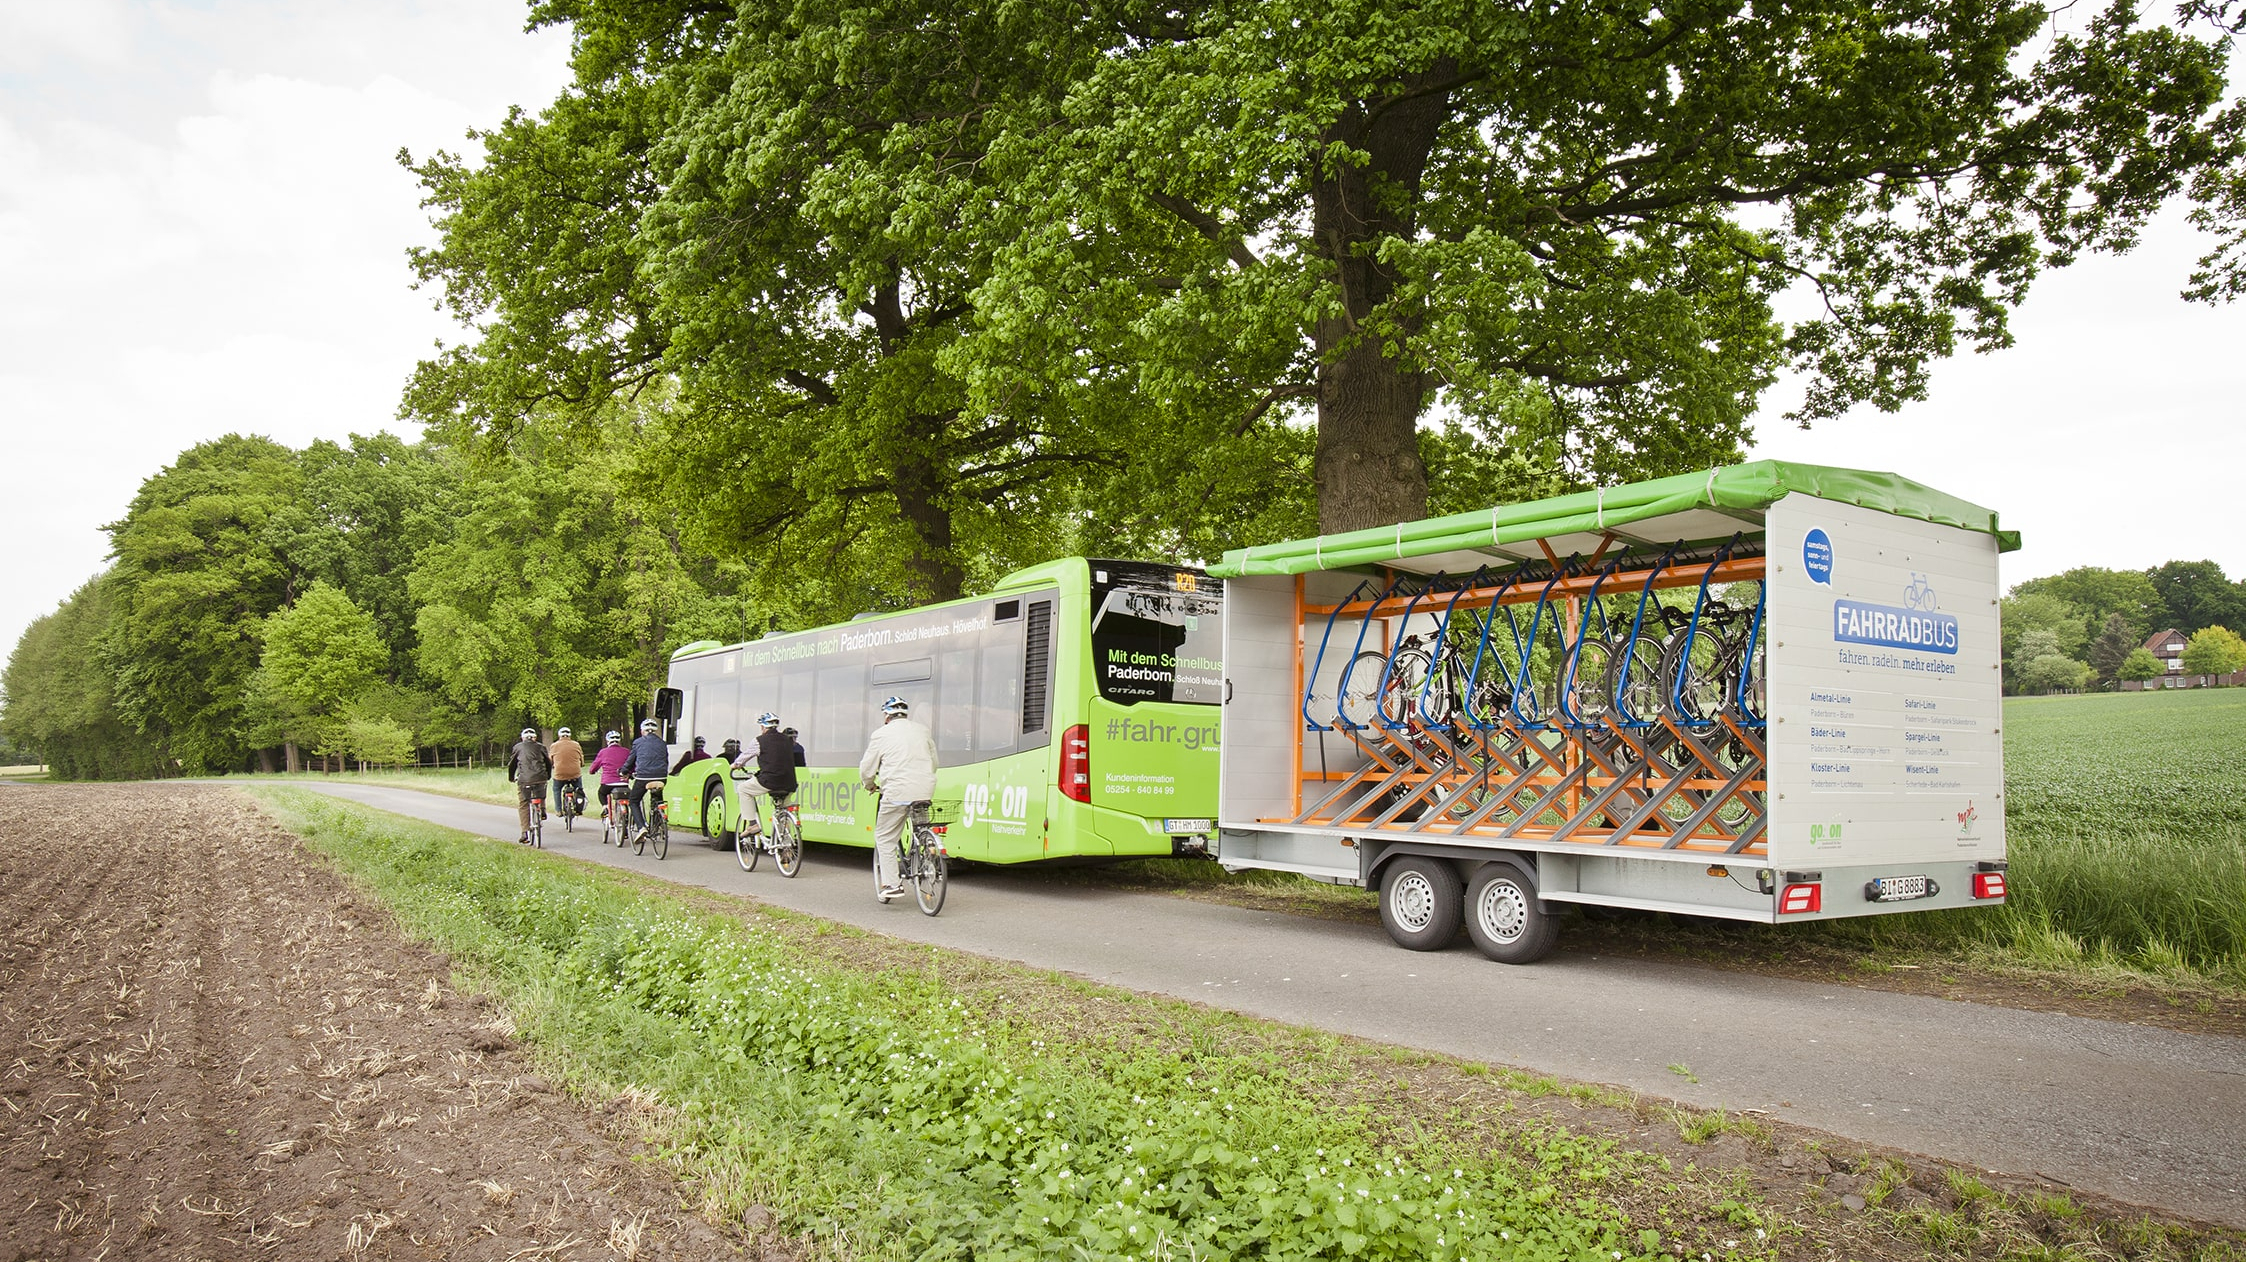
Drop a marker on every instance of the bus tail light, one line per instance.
(1076, 763)
(1807, 897)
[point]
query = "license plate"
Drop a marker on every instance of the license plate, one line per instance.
(1187, 825)
(1900, 889)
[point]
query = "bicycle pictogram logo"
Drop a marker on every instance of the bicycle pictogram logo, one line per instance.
(1920, 594)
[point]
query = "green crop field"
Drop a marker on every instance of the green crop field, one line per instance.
(2127, 819)
(2126, 830)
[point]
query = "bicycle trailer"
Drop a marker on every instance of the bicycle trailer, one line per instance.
(1766, 692)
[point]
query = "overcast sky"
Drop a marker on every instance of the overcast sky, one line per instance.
(203, 227)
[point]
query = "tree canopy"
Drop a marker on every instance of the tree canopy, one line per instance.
(916, 272)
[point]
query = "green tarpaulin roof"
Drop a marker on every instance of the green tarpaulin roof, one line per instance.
(1696, 507)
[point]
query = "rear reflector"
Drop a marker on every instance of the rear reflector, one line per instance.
(1801, 898)
(1988, 885)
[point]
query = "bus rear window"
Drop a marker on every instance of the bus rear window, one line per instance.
(1157, 633)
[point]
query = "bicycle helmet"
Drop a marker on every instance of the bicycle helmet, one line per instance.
(614, 737)
(647, 727)
(530, 733)
(562, 733)
(896, 705)
(768, 719)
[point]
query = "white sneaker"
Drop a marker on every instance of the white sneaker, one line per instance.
(888, 892)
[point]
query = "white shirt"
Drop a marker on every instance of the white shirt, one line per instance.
(902, 756)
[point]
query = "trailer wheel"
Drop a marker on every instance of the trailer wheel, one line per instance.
(1420, 904)
(1503, 918)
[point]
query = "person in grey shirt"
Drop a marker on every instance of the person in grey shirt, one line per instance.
(900, 764)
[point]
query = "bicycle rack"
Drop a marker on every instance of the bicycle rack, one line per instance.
(1466, 750)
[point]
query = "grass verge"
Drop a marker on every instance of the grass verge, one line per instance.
(888, 1100)
(481, 784)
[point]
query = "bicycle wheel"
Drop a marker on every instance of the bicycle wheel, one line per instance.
(1692, 691)
(1634, 681)
(1737, 808)
(1588, 698)
(1358, 705)
(787, 843)
(538, 825)
(748, 847)
(1399, 702)
(659, 821)
(928, 876)
(647, 825)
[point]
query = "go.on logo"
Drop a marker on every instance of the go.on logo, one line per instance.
(1013, 803)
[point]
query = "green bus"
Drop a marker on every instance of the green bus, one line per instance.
(1074, 708)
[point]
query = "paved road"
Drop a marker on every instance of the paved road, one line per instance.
(2144, 1115)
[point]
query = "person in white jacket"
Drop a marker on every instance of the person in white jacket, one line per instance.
(900, 764)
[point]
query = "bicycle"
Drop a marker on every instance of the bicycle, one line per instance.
(572, 806)
(538, 823)
(658, 827)
(783, 841)
(923, 863)
(615, 821)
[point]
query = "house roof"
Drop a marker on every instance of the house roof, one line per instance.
(2159, 639)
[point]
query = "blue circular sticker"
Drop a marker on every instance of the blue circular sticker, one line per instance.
(1817, 557)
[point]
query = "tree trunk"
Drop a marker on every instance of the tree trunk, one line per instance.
(265, 761)
(934, 566)
(1368, 468)
(294, 760)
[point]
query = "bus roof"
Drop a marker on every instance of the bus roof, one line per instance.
(1702, 507)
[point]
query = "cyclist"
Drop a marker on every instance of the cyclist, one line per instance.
(900, 764)
(568, 758)
(777, 757)
(528, 766)
(609, 765)
(649, 763)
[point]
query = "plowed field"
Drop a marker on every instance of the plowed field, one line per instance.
(209, 1048)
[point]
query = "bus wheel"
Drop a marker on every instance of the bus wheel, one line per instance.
(713, 817)
(1503, 918)
(1419, 903)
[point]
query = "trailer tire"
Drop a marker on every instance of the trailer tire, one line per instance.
(1420, 903)
(1504, 917)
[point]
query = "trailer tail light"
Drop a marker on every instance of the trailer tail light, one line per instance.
(1076, 763)
(1988, 885)
(1806, 897)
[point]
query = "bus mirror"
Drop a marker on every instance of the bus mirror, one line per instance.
(669, 703)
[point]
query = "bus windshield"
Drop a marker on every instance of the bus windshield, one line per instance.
(1157, 633)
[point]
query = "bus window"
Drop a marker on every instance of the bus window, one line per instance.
(955, 704)
(1157, 633)
(794, 701)
(998, 713)
(717, 712)
(837, 735)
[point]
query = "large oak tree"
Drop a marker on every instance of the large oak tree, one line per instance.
(1567, 220)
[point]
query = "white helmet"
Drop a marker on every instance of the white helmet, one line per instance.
(768, 719)
(896, 705)
(614, 737)
(563, 733)
(647, 727)
(530, 733)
